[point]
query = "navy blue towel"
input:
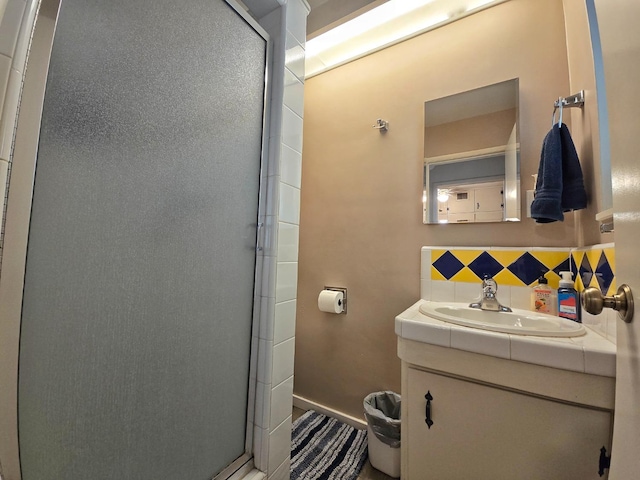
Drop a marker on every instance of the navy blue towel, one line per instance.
(560, 185)
(574, 196)
(546, 206)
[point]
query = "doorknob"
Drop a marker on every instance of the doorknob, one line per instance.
(593, 302)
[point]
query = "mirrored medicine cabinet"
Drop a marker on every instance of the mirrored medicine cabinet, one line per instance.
(472, 156)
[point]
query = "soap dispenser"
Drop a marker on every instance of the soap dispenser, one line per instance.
(568, 301)
(543, 297)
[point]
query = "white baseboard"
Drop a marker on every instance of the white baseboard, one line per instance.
(306, 404)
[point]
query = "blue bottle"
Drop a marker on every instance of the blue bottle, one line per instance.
(568, 299)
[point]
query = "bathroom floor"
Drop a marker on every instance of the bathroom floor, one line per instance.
(368, 472)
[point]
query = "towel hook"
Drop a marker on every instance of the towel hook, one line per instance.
(381, 125)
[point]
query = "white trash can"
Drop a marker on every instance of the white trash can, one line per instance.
(382, 411)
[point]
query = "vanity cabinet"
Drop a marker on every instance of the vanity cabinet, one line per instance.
(494, 418)
(483, 432)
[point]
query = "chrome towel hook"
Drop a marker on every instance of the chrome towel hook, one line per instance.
(381, 125)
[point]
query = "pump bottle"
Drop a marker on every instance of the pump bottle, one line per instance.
(568, 299)
(543, 297)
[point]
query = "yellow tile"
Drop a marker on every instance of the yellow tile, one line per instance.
(435, 274)
(554, 279)
(579, 286)
(551, 259)
(613, 288)
(436, 254)
(505, 277)
(466, 256)
(577, 257)
(507, 257)
(466, 275)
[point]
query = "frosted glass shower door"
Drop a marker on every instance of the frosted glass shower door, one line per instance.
(139, 282)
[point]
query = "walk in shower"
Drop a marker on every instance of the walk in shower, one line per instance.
(139, 277)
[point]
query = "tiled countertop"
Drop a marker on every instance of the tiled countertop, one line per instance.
(589, 353)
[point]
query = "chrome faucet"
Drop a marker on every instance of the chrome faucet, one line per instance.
(489, 300)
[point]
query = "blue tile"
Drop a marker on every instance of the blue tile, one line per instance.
(564, 267)
(448, 265)
(586, 272)
(528, 268)
(604, 274)
(485, 264)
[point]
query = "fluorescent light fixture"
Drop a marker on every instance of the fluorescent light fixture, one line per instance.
(383, 26)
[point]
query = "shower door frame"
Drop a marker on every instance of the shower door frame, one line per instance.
(16, 233)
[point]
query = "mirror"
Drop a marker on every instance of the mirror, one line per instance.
(472, 156)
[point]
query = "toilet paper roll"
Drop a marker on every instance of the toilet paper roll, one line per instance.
(330, 301)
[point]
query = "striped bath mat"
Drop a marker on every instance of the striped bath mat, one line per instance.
(325, 448)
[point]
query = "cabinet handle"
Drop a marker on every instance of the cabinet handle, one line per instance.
(427, 412)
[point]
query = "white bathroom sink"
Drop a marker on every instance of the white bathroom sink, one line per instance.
(518, 322)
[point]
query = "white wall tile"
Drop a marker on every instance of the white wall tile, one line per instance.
(293, 93)
(294, 56)
(282, 361)
(289, 209)
(5, 68)
(267, 317)
(288, 234)
(291, 167)
(268, 275)
(442, 291)
(520, 298)
(287, 281)
(466, 292)
(425, 263)
(24, 36)
(285, 321)
(291, 129)
(272, 205)
(263, 405)
(297, 20)
(3, 6)
(425, 289)
(10, 26)
(261, 448)
(279, 445)
(281, 403)
(9, 112)
(265, 361)
(283, 472)
(269, 234)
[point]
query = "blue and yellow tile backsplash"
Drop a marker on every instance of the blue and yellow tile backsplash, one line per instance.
(522, 267)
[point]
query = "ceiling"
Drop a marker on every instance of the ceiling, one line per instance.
(327, 14)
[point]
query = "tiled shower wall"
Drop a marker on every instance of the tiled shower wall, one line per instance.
(455, 274)
(285, 21)
(16, 24)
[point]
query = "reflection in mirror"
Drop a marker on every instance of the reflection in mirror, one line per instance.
(472, 156)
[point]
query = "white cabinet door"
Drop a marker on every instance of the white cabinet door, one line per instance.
(489, 199)
(482, 432)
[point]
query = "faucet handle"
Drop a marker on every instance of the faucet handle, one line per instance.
(489, 283)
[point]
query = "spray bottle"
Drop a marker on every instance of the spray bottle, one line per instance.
(568, 299)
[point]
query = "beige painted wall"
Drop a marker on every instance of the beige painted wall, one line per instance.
(584, 122)
(361, 211)
(475, 133)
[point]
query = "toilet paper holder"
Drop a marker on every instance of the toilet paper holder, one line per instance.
(344, 296)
